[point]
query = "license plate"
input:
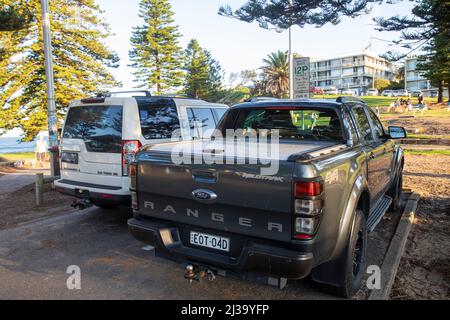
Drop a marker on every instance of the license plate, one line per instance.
(210, 241)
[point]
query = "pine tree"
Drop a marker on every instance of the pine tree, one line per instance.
(80, 61)
(285, 13)
(215, 78)
(427, 29)
(197, 71)
(14, 15)
(155, 53)
(203, 73)
(435, 64)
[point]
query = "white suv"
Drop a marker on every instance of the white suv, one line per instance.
(101, 135)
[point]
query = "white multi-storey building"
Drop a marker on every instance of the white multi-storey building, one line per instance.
(413, 78)
(355, 72)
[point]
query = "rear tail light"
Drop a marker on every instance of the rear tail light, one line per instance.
(308, 205)
(308, 189)
(129, 149)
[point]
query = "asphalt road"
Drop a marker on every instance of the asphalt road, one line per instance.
(14, 181)
(34, 258)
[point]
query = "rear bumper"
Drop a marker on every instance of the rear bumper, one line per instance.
(96, 195)
(254, 257)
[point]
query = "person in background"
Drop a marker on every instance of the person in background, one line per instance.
(41, 151)
(420, 98)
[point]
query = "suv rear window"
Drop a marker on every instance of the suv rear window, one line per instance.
(159, 118)
(293, 123)
(99, 126)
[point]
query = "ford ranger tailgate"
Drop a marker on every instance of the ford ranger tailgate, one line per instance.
(227, 197)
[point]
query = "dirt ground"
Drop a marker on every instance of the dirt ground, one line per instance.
(424, 272)
(6, 169)
(12, 213)
(424, 125)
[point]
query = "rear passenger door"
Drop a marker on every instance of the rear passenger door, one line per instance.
(374, 154)
(387, 148)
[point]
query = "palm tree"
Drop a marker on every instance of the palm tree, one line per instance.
(276, 74)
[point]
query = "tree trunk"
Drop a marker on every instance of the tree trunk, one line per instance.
(441, 91)
(448, 90)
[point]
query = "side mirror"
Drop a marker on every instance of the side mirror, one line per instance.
(397, 132)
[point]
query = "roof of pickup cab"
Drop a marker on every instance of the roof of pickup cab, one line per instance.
(288, 103)
(298, 102)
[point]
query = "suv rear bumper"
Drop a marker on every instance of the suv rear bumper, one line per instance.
(254, 257)
(99, 195)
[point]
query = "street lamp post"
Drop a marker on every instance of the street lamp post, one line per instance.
(291, 60)
(51, 112)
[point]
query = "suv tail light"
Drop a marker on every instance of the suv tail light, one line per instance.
(308, 204)
(129, 149)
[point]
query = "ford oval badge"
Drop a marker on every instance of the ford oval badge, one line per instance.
(203, 195)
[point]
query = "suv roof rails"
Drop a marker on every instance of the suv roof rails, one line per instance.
(109, 94)
(346, 99)
(176, 96)
(256, 99)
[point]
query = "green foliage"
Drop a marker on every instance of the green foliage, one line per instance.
(281, 14)
(203, 73)
(14, 15)
(276, 74)
(155, 54)
(233, 96)
(427, 28)
(80, 61)
(381, 84)
(435, 63)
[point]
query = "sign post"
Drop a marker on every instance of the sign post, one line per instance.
(301, 78)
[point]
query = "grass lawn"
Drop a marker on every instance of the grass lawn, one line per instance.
(377, 101)
(427, 136)
(436, 113)
(16, 156)
(441, 152)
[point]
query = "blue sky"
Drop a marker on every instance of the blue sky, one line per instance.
(238, 45)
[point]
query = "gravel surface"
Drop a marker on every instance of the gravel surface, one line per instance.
(424, 271)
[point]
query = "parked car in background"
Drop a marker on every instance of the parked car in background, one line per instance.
(316, 90)
(388, 93)
(372, 92)
(402, 93)
(330, 91)
(338, 171)
(101, 136)
(348, 92)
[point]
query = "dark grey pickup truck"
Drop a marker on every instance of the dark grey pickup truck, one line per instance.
(303, 208)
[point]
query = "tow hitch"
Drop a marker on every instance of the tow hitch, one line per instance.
(81, 204)
(197, 273)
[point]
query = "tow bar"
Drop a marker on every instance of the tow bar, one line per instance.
(197, 273)
(81, 204)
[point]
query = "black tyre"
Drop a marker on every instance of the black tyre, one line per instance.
(347, 271)
(354, 257)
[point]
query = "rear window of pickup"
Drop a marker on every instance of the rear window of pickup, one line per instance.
(292, 123)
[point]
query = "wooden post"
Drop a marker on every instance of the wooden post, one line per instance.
(39, 189)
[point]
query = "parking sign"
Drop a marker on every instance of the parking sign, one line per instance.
(301, 77)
